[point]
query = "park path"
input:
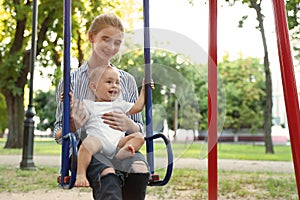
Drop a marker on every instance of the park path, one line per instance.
(192, 163)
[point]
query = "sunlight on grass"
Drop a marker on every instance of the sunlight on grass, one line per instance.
(188, 184)
(225, 151)
(253, 152)
(184, 184)
(192, 184)
(47, 146)
(41, 146)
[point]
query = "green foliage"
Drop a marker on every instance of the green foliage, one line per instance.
(10, 72)
(15, 44)
(243, 80)
(45, 106)
(3, 115)
(243, 98)
(169, 70)
(293, 12)
(50, 34)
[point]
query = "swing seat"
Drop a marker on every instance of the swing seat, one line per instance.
(155, 180)
(70, 165)
(69, 162)
(66, 180)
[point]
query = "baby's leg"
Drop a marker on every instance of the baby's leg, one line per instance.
(89, 146)
(125, 152)
(129, 144)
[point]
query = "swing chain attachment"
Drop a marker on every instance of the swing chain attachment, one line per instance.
(154, 181)
(71, 164)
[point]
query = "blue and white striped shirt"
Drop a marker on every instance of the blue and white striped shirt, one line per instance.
(79, 80)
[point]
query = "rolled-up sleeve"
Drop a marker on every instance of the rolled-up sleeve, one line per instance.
(59, 112)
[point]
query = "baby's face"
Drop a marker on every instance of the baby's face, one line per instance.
(108, 87)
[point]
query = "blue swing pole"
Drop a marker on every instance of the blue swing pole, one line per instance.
(68, 140)
(148, 96)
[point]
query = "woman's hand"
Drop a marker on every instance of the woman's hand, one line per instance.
(78, 115)
(120, 121)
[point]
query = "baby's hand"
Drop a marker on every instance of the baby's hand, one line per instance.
(62, 97)
(152, 85)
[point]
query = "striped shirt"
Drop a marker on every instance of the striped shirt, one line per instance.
(79, 86)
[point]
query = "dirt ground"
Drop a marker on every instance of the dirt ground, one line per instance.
(57, 194)
(78, 194)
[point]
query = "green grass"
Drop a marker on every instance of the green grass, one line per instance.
(225, 151)
(185, 184)
(254, 152)
(41, 146)
(192, 184)
(15, 180)
(180, 150)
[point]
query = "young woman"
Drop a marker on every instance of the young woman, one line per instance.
(109, 178)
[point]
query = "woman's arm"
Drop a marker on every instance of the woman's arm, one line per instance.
(57, 132)
(121, 121)
(77, 116)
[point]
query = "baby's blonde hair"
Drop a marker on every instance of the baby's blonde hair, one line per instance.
(96, 73)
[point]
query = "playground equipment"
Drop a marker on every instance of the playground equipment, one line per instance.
(288, 82)
(69, 141)
(289, 88)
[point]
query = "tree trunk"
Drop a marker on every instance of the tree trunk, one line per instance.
(269, 104)
(268, 114)
(15, 111)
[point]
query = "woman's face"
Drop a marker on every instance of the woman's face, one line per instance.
(106, 43)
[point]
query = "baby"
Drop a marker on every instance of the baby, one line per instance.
(105, 84)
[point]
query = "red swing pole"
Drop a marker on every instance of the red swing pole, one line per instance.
(288, 83)
(212, 104)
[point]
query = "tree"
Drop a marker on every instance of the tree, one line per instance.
(293, 11)
(15, 26)
(168, 69)
(3, 116)
(244, 84)
(44, 104)
(14, 65)
(256, 5)
(164, 67)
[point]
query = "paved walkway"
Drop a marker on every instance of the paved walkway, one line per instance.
(228, 165)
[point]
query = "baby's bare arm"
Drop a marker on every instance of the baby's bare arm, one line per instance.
(140, 102)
